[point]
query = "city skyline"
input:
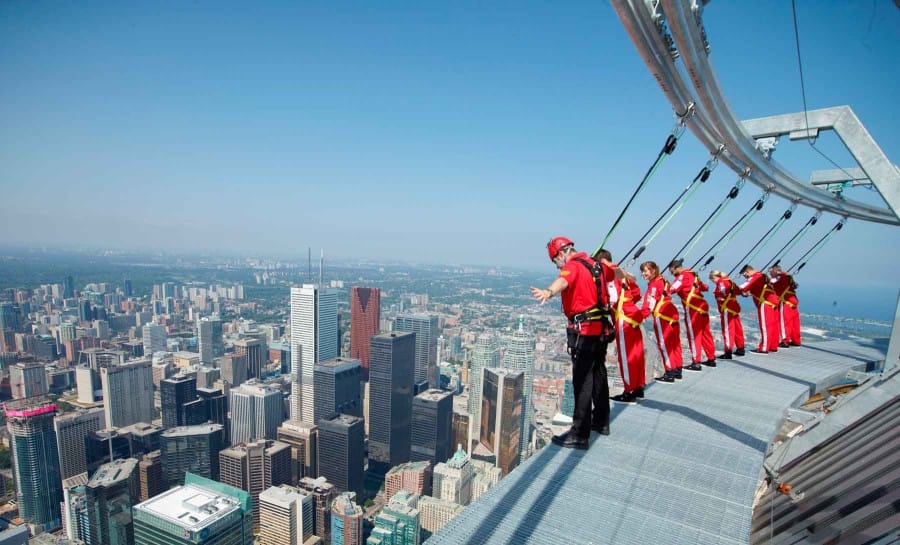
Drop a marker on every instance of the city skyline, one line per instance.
(457, 136)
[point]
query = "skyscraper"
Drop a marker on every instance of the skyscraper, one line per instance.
(254, 467)
(285, 516)
(452, 480)
(71, 430)
(520, 357)
(201, 511)
(398, 522)
(304, 441)
(432, 420)
(390, 393)
(152, 478)
(314, 338)
(193, 449)
(256, 360)
(9, 317)
(256, 412)
(28, 380)
(174, 393)
(425, 326)
(337, 388)
(109, 495)
(365, 317)
(154, 337)
(461, 428)
(323, 494)
(341, 447)
(501, 415)
(234, 369)
(35, 461)
(205, 339)
(128, 393)
(346, 520)
(486, 354)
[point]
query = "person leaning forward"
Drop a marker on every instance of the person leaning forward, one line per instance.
(576, 287)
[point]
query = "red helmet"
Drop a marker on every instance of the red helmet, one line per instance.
(557, 244)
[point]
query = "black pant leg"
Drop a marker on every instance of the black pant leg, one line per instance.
(600, 387)
(583, 383)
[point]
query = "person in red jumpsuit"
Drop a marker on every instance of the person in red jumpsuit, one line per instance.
(586, 339)
(699, 334)
(757, 286)
(785, 288)
(726, 293)
(658, 304)
(629, 335)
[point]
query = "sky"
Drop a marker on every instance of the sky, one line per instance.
(457, 132)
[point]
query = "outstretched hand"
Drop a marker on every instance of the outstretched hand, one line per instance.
(540, 295)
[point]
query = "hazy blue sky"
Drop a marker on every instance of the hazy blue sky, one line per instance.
(464, 132)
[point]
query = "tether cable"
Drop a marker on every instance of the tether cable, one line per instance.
(667, 149)
(707, 223)
(789, 245)
(816, 247)
(679, 202)
(765, 238)
(719, 245)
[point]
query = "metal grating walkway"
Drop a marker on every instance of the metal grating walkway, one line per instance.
(681, 466)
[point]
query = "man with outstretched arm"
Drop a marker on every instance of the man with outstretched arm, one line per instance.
(587, 334)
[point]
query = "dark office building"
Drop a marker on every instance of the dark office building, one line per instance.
(210, 406)
(336, 386)
(341, 458)
(432, 427)
(104, 446)
(109, 495)
(174, 393)
(194, 449)
(391, 373)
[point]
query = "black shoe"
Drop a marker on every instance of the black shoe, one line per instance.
(667, 379)
(758, 351)
(570, 440)
(676, 374)
(627, 397)
(639, 393)
(693, 367)
(784, 345)
(739, 352)
(710, 363)
(795, 344)
(602, 430)
(725, 356)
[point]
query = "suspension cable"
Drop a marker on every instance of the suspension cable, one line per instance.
(789, 245)
(723, 241)
(667, 149)
(677, 204)
(765, 238)
(707, 223)
(816, 247)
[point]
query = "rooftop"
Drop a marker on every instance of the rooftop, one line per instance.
(113, 472)
(434, 394)
(190, 507)
(681, 467)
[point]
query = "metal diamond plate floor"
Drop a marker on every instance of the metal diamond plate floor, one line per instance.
(681, 466)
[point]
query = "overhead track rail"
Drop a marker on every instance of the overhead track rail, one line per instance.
(713, 122)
